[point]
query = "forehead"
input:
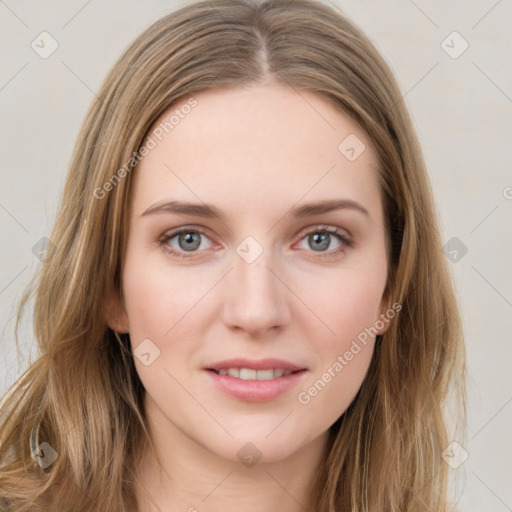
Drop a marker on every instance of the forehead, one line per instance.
(254, 146)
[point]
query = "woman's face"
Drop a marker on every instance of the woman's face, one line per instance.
(253, 277)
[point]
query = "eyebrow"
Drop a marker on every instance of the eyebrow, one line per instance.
(210, 211)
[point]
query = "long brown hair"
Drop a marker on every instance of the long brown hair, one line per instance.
(83, 397)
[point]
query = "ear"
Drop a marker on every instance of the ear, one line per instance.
(115, 312)
(383, 322)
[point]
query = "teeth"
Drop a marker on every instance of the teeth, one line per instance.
(247, 374)
(250, 374)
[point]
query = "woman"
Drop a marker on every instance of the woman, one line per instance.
(246, 300)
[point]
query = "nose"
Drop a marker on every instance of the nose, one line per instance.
(256, 299)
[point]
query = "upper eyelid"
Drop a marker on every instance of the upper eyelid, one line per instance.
(205, 231)
(321, 227)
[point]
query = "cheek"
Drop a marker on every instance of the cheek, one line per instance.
(349, 308)
(145, 303)
(346, 354)
(343, 357)
(332, 389)
(346, 303)
(156, 299)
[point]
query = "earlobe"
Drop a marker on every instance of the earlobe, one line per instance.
(119, 324)
(115, 313)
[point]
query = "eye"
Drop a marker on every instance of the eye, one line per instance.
(321, 238)
(183, 241)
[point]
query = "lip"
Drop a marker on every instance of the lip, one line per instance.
(260, 364)
(256, 390)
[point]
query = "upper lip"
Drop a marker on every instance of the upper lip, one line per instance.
(260, 364)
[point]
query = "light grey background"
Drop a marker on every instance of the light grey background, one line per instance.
(462, 110)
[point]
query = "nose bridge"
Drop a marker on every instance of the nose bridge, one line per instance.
(255, 299)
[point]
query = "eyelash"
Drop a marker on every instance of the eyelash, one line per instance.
(320, 229)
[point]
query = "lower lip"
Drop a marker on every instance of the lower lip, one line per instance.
(256, 390)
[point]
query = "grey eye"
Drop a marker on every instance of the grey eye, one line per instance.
(320, 241)
(189, 240)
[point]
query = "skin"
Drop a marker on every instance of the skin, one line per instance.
(254, 153)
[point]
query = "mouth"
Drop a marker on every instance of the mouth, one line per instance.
(252, 374)
(255, 381)
(252, 369)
